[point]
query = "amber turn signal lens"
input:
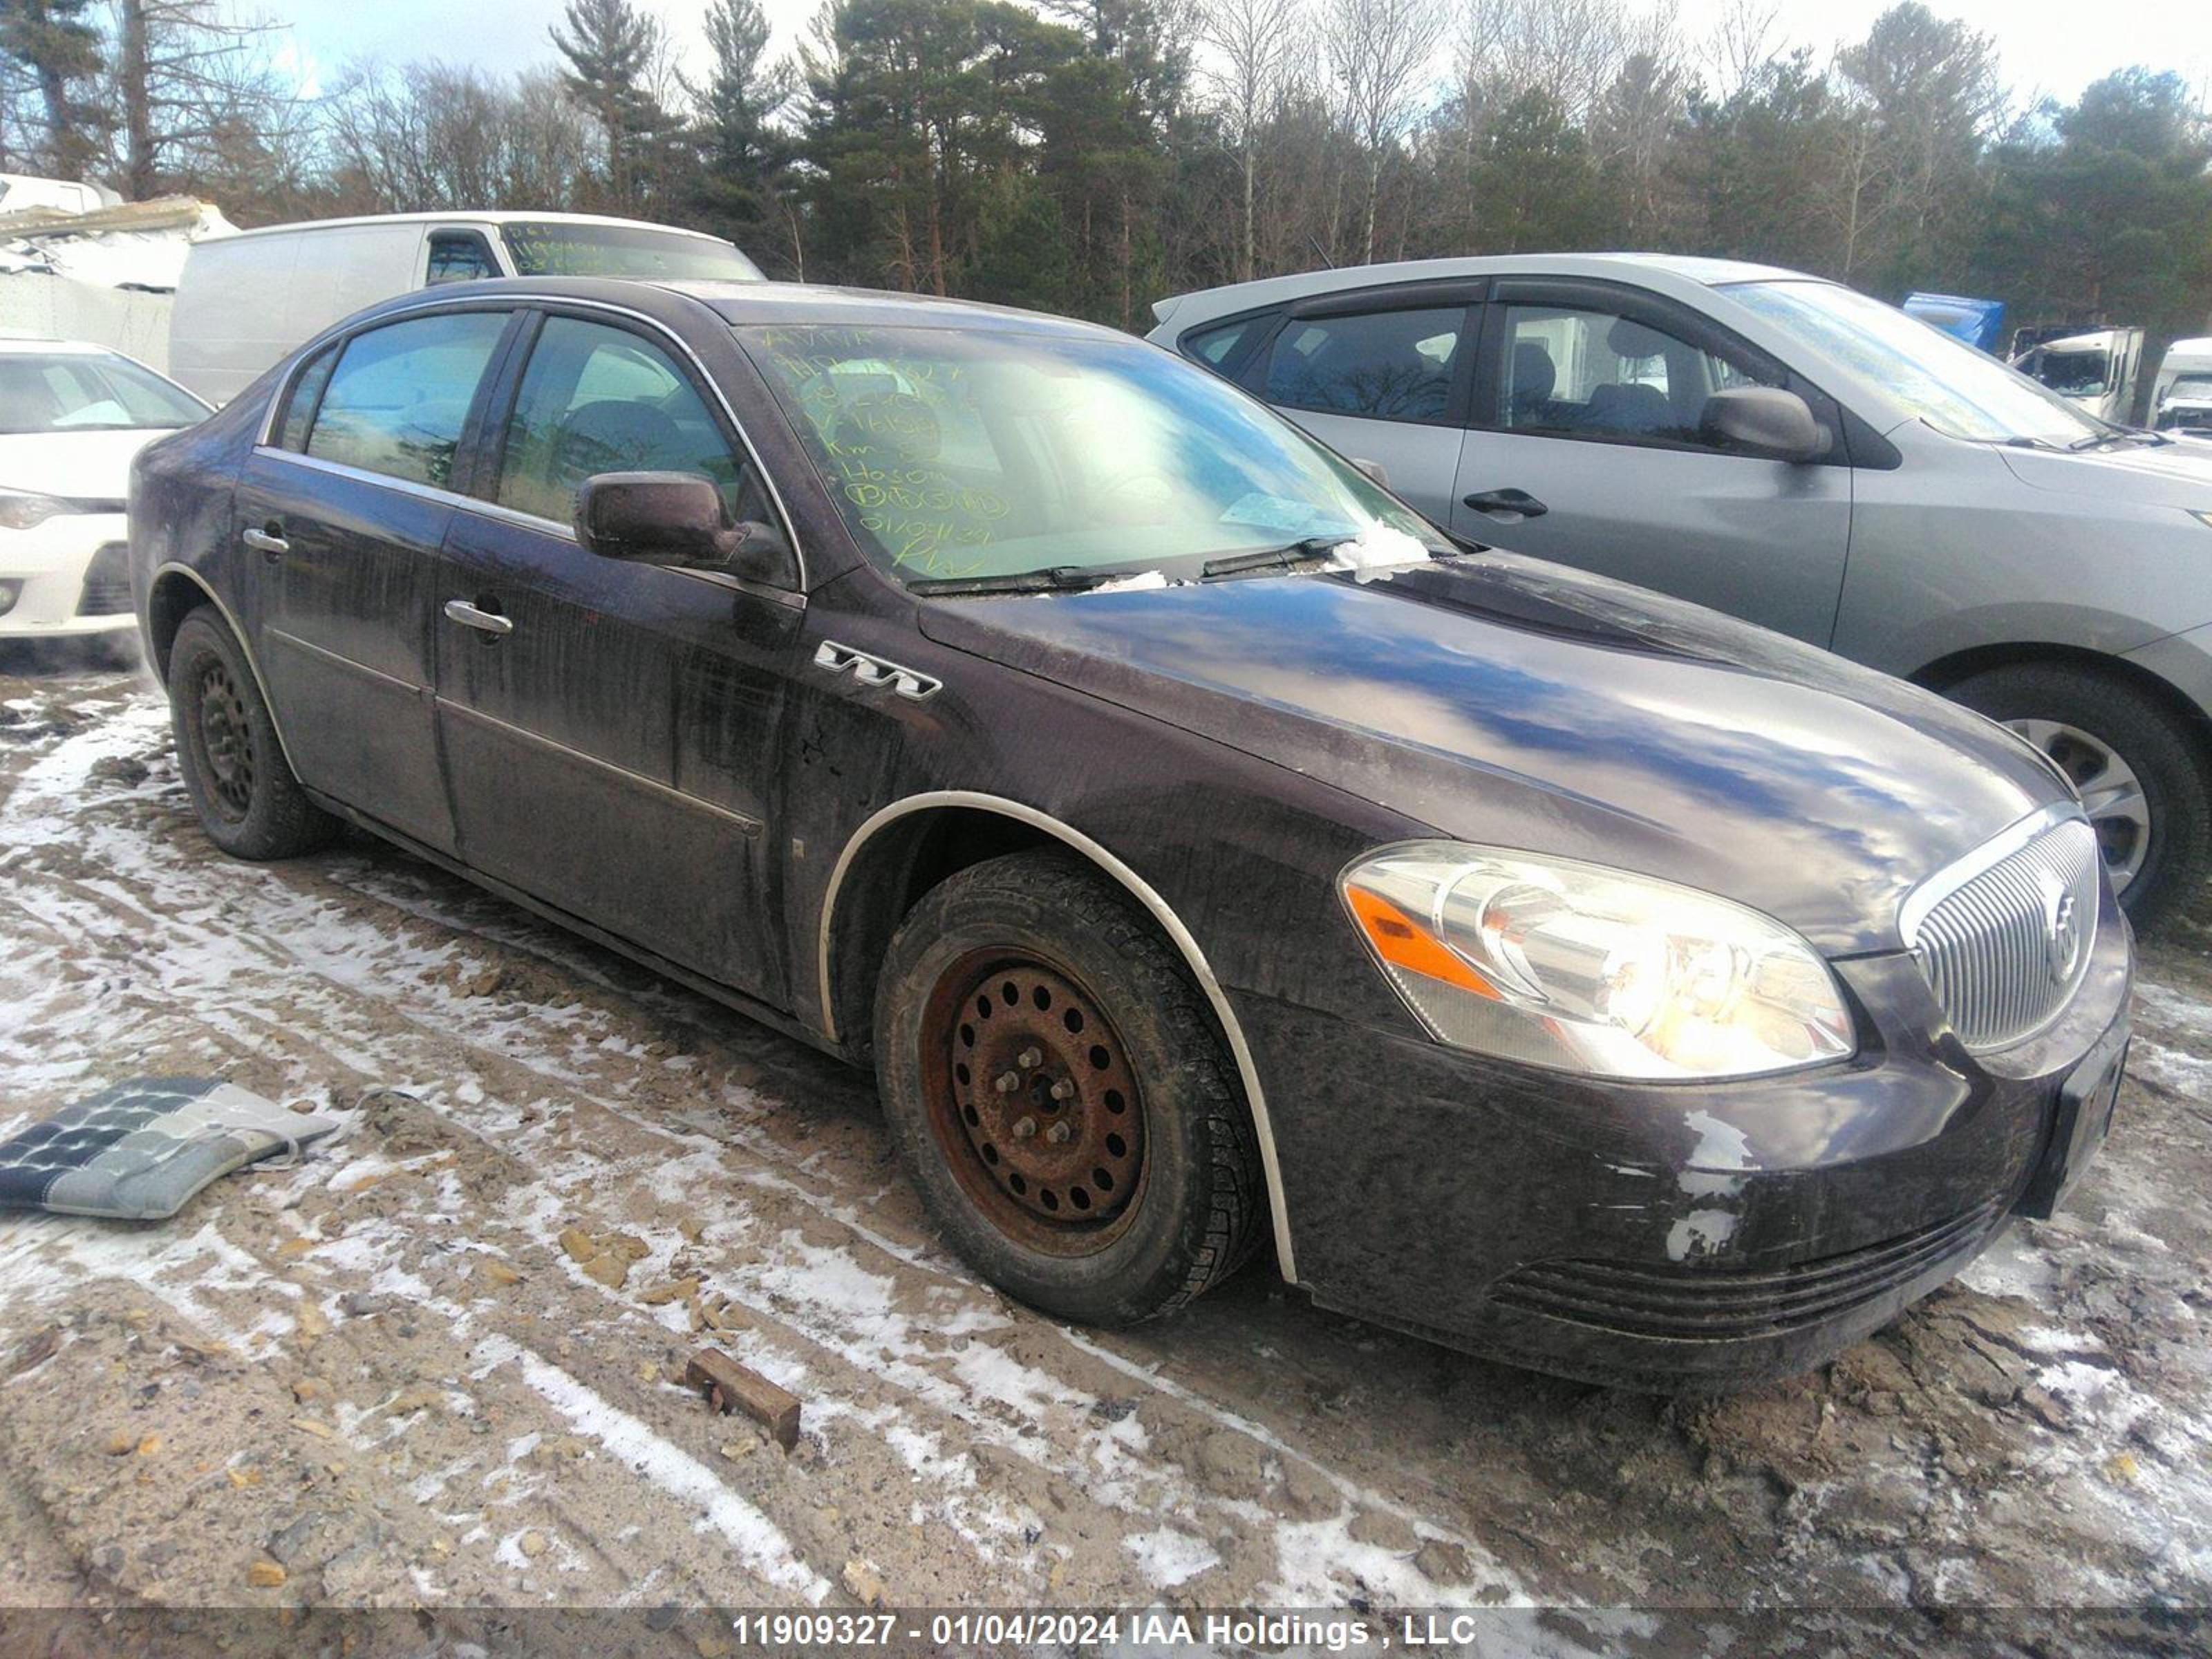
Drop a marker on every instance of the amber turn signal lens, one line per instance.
(1404, 943)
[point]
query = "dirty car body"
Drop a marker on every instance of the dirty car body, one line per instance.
(1594, 980)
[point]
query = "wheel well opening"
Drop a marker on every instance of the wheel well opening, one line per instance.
(887, 878)
(174, 597)
(1942, 675)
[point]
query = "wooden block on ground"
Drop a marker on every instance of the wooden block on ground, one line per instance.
(731, 1387)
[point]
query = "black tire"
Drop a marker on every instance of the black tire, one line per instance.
(2154, 744)
(235, 770)
(1103, 1007)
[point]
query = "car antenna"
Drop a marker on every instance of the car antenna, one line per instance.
(1314, 242)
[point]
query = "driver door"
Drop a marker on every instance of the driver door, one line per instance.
(610, 729)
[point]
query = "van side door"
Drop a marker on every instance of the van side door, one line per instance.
(342, 510)
(610, 729)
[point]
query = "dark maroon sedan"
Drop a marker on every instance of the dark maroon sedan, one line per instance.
(1203, 850)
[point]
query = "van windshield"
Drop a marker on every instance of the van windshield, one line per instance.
(88, 392)
(558, 248)
(1957, 390)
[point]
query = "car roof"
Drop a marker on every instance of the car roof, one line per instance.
(744, 304)
(1186, 308)
(465, 216)
(14, 343)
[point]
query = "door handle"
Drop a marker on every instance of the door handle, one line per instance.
(1508, 500)
(265, 541)
(485, 622)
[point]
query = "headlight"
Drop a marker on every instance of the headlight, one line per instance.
(21, 509)
(1581, 969)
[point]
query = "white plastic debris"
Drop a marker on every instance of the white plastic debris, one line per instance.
(1136, 584)
(1378, 549)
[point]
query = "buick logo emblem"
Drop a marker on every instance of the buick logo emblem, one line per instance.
(2062, 930)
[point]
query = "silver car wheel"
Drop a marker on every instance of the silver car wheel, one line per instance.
(2110, 792)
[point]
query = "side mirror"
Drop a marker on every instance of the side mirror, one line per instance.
(670, 519)
(1764, 420)
(1372, 469)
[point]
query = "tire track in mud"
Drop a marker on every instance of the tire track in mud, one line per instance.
(352, 997)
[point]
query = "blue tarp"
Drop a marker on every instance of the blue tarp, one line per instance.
(1977, 322)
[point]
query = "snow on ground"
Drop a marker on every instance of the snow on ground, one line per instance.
(440, 1360)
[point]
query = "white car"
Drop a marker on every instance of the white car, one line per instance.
(72, 417)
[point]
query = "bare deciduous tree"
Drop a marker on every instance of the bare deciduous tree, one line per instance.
(1253, 44)
(1379, 52)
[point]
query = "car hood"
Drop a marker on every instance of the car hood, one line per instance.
(80, 467)
(2175, 474)
(1507, 701)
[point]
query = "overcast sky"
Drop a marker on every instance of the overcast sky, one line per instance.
(2048, 46)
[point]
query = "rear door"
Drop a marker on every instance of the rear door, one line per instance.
(1585, 444)
(344, 510)
(1381, 376)
(610, 729)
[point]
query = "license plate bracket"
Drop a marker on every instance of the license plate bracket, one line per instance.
(2079, 1120)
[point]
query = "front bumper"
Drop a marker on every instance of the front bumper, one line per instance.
(1707, 1235)
(65, 578)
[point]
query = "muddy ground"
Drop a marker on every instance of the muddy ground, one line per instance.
(439, 1362)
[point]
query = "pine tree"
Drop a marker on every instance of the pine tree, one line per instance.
(744, 157)
(59, 50)
(610, 47)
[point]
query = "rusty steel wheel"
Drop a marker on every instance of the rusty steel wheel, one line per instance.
(234, 765)
(1033, 1102)
(1059, 1091)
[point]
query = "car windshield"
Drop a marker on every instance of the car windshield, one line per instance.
(1946, 382)
(87, 392)
(992, 452)
(2190, 388)
(556, 248)
(2070, 373)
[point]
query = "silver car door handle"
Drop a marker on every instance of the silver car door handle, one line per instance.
(261, 541)
(483, 622)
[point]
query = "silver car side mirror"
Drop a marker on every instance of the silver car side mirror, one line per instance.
(1764, 420)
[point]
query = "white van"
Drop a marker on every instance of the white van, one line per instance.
(2182, 401)
(245, 300)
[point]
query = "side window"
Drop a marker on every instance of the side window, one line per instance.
(1388, 365)
(1586, 373)
(400, 395)
(1216, 346)
(306, 392)
(599, 399)
(458, 256)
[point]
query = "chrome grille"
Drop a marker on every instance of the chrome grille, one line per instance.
(2004, 935)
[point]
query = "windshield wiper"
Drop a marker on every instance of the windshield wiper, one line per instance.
(1051, 578)
(2119, 434)
(1282, 558)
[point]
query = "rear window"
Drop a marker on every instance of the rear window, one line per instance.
(88, 392)
(1387, 365)
(400, 394)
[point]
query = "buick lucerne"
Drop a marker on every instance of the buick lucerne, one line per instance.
(1204, 852)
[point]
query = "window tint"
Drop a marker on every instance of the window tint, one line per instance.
(598, 399)
(1595, 373)
(1214, 346)
(398, 398)
(1393, 365)
(459, 256)
(305, 390)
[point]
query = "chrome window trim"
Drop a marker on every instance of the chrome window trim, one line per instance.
(791, 599)
(1143, 892)
(745, 823)
(1935, 889)
(512, 302)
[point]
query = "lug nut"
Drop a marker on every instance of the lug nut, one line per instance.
(1062, 1089)
(1057, 1133)
(1025, 1128)
(1028, 1060)
(1007, 1082)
